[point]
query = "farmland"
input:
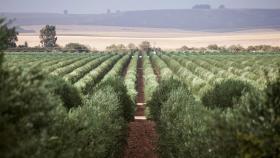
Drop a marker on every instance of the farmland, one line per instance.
(99, 37)
(180, 93)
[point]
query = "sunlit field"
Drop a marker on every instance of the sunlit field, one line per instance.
(99, 37)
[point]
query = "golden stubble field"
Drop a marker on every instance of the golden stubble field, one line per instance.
(99, 37)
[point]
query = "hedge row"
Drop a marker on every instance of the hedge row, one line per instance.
(250, 128)
(37, 119)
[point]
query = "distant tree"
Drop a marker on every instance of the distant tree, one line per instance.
(184, 48)
(222, 48)
(145, 46)
(48, 36)
(3, 35)
(202, 6)
(251, 49)
(213, 47)
(76, 47)
(263, 48)
(236, 48)
(202, 49)
(266, 48)
(132, 47)
(120, 48)
(25, 44)
(157, 49)
(8, 35)
(276, 49)
(12, 34)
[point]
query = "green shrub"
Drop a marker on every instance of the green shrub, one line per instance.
(183, 126)
(76, 47)
(34, 122)
(27, 109)
(120, 89)
(251, 129)
(70, 96)
(96, 129)
(161, 95)
(182, 123)
(131, 77)
(225, 93)
(260, 136)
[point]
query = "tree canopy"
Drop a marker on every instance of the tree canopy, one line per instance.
(145, 46)
(48, 36)
(8, 35)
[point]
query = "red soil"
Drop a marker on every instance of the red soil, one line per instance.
(142, 136)
(141, 140)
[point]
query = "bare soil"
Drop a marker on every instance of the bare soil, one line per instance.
(142, 140)
(142, 137)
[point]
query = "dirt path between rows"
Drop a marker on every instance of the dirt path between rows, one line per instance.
(142, 137)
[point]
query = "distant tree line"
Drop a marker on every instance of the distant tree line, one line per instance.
(48, 39)
(233, 48)
(144, 47)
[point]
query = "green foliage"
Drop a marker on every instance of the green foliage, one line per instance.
(161, 95)
(70, 96)
(145, 46)
(183, 124)
(76, 47)
(120, 48)
(118, 68)
(96, 129)
(26, 112)
(260, 136)
(184, 127)
(87, 83)
(213, 47)
(35, 124)
(8, 35)
(48, 36)
(225, 93)
(119, 88)
(188, 129)
(80, 72)
(130, 78)
(150, 79)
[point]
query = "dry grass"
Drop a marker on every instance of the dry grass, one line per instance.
(101, 36)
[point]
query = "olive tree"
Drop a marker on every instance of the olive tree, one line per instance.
(145, 46)
(8, 35)
(48, 36)
(132, 47)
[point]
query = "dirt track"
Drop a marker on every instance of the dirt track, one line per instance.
(142, 137)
